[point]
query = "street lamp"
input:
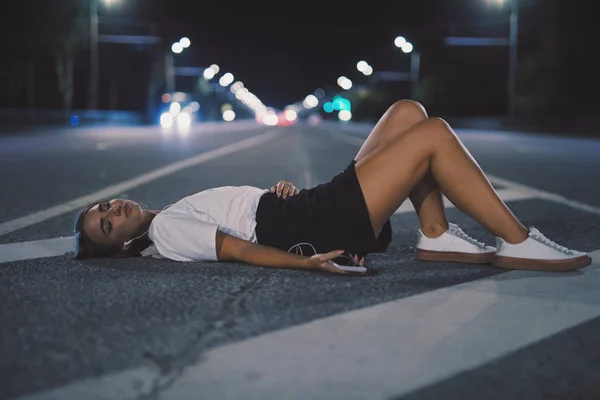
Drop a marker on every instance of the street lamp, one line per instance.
(176, 48)
(94, 64)
(211, 71)
(512, 51)
(415, 61)
(344, 83)
(364, 67)
(512, 56)
(185, 42)
(226, 79)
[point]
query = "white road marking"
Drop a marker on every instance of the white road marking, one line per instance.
(40, 216)
(542, 194)
(522, 148)
(517, 187)
(102, 146)
(307, 178)
(506, 195)
(35, 249)
(115, 386)
(378, 352)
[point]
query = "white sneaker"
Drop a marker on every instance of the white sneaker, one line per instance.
(454, 245)
(538, 253)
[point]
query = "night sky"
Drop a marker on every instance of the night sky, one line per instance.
(284, 51)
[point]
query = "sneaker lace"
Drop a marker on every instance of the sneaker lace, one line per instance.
(543, 239)
(461, 234)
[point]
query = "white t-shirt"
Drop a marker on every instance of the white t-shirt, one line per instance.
(186, 231)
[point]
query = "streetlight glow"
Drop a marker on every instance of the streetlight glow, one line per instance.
(399, 41)
(310, 101)
(185, 42)
(209, 74)
(177, 48)
(109, 3)
(407, 47)
(226, 79)
(362, 66)
(344, 83)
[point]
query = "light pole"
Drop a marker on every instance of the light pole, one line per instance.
(415, 63)
(513, 32)
(176, 48)
(93, 101)
(94, 64)
(512, 57)
(344, 83)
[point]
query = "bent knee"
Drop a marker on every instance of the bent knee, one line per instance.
(439, 128)
(408, 108)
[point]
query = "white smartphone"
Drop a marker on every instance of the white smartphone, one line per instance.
(348, 268)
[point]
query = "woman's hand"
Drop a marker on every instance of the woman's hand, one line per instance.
(284, 189)
(324, 262)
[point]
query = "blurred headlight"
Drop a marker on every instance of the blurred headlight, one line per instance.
(166, 120)
(184, 120)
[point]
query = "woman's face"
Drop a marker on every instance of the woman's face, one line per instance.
(112, 223)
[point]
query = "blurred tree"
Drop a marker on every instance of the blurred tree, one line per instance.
(38, 40)
(65, 46)
(540, 55)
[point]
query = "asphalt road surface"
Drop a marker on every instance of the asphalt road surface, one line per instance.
(155, 329)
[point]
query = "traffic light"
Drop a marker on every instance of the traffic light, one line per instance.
(341, 103)
(328, 107)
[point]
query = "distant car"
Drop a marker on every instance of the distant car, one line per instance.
(287, 118)
(178, 109)
(268, 117)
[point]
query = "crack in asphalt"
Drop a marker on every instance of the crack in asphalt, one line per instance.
(173, 367)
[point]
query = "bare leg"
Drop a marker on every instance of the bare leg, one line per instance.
(426, 197)
(389, 174)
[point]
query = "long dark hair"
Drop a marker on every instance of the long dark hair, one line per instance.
(85, 248)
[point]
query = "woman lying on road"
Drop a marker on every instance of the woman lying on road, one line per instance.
(407, 154)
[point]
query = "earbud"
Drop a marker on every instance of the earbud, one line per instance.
(127, 243)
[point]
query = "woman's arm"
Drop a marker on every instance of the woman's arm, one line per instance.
(230, 248)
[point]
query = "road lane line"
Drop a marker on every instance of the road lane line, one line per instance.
(379, 352)
(58, 246)
(35, 249)
(113, 190)
(535, 193)
(115, 386)
(542, 194)
(307, 178)
(507, 195)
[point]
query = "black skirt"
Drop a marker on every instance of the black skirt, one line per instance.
(331, 216)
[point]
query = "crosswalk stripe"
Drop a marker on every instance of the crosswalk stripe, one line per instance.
(395, 348)
(378, 352)
(35, 249)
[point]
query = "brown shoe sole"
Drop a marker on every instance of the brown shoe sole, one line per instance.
(448, 256)
(542, 265)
